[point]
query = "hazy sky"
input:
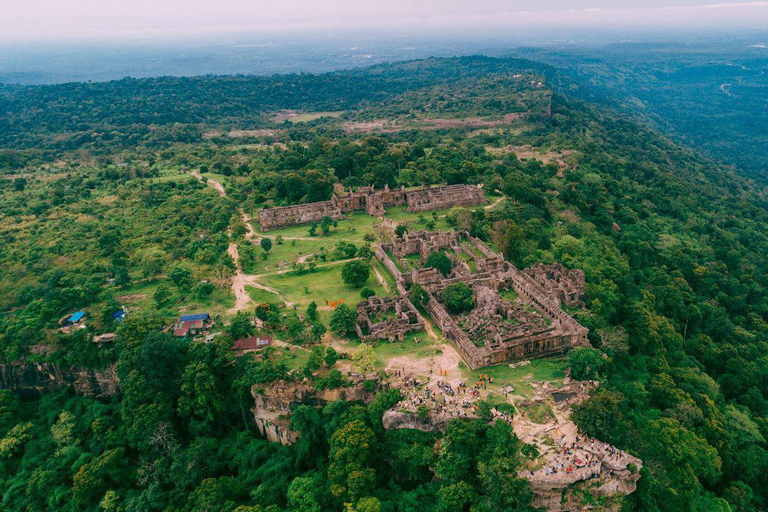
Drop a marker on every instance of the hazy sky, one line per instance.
(117, 19)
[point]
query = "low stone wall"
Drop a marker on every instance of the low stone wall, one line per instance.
(283, 216)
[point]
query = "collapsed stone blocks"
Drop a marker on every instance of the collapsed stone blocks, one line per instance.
(387, 318)
(561, 283)
(373, 202)
(515, 316)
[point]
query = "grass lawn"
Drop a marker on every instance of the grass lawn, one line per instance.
(258, 295)
(294, 359)
(180, 303)
(286, 254)
(324, 285)
(542, 369)
(351, 229)
(385, 274)
(356, 225)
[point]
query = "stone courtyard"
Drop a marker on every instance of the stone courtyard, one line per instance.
(515, 316)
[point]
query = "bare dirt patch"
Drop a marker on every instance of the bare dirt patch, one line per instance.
(387, 126)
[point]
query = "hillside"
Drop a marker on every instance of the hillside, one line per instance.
(102, 207)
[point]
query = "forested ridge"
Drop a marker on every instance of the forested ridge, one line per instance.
(673, 246)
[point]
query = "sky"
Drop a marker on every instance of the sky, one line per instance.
(46, 20)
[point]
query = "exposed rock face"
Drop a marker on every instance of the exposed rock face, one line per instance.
(273, 403)
(393, 420)
(33, 379)
(569, 460)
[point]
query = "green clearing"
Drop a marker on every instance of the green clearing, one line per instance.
(286, 254)
(294, 359)
(356, 225)
(215, 304)
(549, 369)
(324, 285)
(258, 295)
(351, 229)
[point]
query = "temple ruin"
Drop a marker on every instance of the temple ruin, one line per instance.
(373, 202)
(516, 315)
(387, 318)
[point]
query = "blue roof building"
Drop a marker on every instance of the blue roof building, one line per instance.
(119, 315)
(76, 317)
(197, 316)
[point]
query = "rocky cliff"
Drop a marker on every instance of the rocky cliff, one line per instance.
(33, 379)
(273, 403)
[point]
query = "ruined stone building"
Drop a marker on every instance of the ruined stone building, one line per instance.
(561, 283)
(387, 318)
(373, 202)
(515, 316)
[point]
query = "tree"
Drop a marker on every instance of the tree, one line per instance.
(418, 295)
(457, 297)
(350, 456)
(343, 319)
(587, 363)
(319, 186)
(266, 244)
(439, 261)
(400, 230)
(345, 250)
(162, 295)
(153, 262)
(364, 358)
(312, 311)
(325, 224)
(366, 292)
(355, 273)
(240, 326)
(279, 239)
(301, 497)
(365, 253)
(181, 277)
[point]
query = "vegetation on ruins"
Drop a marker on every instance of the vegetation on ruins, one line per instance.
(457, 297)
(96, 207)
(440, 262)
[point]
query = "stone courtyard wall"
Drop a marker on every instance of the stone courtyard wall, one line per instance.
(372, 202)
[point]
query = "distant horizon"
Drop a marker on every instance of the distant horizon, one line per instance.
(168, 20)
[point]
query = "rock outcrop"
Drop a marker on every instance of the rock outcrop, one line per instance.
(33, 379)
(569, 462)
(432, 422)
(273, 404)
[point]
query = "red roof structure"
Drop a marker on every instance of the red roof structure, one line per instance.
(251, 343)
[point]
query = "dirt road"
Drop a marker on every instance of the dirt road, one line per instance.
(215, 184)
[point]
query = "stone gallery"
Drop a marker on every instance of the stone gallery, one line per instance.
(515, 315)
(373, 202)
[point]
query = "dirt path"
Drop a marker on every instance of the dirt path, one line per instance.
(253, 281)
(489, 206)
(242, 299)
(215, 184)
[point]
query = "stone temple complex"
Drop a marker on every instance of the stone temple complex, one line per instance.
(373, 202)
(516, 314)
